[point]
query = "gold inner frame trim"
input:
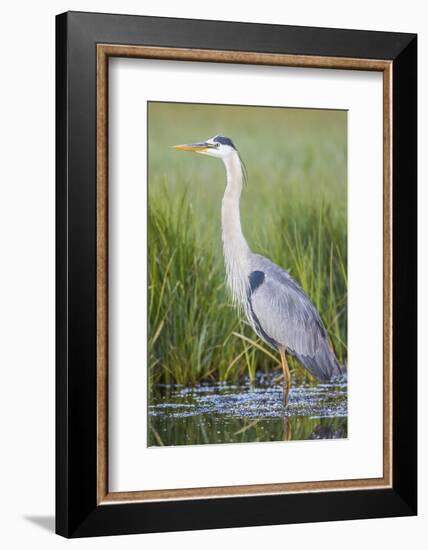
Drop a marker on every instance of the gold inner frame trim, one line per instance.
(104, 51)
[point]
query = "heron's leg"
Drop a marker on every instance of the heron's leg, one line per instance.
(287, 434)
(286, 371)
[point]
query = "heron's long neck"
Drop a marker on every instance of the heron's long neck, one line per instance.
(235, 247)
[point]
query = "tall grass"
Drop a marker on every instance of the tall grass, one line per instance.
(293, 211)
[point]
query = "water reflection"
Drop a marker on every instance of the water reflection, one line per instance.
(226, 413)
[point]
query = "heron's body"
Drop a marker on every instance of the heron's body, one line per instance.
(276, 307)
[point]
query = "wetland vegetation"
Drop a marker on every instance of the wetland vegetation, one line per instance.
(294, 211)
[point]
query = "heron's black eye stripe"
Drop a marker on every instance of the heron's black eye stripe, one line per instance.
(224, 141)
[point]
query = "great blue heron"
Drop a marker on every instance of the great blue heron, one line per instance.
(275, 305)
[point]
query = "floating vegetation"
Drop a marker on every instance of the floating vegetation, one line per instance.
(233, 413)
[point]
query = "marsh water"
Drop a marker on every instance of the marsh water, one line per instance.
(231, 413)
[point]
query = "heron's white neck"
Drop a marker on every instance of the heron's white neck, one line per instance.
(235, 248)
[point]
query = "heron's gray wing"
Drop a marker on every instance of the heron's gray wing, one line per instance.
(284, 313)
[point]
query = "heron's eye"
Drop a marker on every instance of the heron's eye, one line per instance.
(217, 145)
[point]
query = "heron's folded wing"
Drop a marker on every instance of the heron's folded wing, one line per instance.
(287, 315)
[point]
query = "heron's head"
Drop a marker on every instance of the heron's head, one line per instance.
(218, 146)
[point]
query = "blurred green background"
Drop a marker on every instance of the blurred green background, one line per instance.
(293, 210)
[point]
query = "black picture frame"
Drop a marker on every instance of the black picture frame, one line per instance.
(77, 511)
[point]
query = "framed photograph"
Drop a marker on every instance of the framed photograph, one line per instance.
(236, 335)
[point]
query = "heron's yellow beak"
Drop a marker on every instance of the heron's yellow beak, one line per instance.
(195, 147)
